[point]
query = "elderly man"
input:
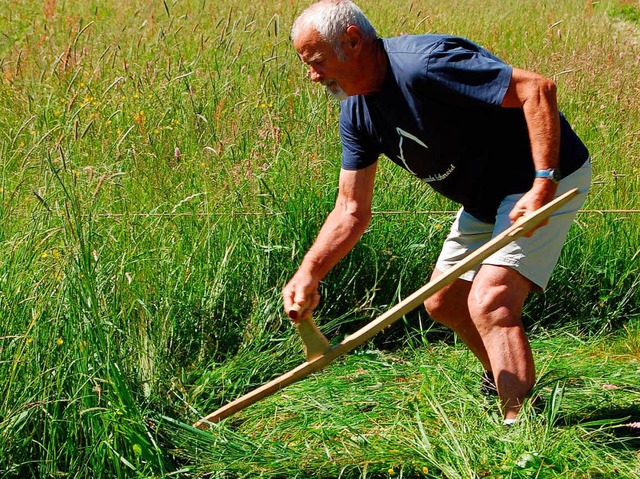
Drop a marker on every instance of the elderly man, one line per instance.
(483, 134)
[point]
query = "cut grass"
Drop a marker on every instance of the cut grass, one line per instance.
(419, 413)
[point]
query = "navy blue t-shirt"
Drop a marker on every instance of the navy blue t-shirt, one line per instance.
(438, 115)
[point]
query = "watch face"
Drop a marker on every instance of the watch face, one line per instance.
(555, 174)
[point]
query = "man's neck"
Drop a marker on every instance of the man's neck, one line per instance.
(374, 68)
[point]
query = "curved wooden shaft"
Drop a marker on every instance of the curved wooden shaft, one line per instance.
(520, 228)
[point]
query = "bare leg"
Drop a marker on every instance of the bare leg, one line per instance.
(495, 304)
(486, 315)
(449, 307)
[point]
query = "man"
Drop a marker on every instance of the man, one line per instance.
(480, 132)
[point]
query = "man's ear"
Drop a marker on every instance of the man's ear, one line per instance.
(352, 40)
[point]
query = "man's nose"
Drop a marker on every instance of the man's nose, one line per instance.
(314, 75)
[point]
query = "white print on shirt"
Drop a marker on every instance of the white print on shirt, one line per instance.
(439, 177)
(403, 134)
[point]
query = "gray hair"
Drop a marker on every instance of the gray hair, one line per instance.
(331, 18)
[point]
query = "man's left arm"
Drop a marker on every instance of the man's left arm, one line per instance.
(536, 96)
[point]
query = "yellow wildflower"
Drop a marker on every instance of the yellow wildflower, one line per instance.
(391, 471)
(425, 470)
(29, 340)
(59, 341)
(140, 118)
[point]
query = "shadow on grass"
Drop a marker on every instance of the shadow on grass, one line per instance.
(621, 424)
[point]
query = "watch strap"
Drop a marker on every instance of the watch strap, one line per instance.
(552, 174)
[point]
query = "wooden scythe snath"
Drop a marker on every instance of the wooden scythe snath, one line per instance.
(317, 349)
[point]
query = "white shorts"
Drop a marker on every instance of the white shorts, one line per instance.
(533, 257)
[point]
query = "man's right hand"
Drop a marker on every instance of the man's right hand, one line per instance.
(301, 290)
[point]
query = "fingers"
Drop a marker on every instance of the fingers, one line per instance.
(300, 298)
(299, 312)
(516, 213)
(302, 309)
(528, 204)
(294, 312)
(524, 207)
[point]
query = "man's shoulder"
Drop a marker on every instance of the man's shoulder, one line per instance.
(428, 45)
(413, 44)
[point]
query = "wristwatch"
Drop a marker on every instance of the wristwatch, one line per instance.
(552, 174)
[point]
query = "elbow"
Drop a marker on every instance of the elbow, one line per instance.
(548, 89)
(543, 88)
(356, 215)
(361, 218)
(541, 95)
(529, 88)
(365, 220)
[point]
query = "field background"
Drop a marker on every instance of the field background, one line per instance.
(164, 167)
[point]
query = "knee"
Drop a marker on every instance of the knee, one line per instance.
(434, 305)
(441, 308)
(493, 307)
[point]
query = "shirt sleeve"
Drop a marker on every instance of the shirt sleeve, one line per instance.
(461, 66)
(359, 149)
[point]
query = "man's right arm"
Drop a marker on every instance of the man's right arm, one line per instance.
(340, 232)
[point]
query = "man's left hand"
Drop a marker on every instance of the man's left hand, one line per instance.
(541, 193)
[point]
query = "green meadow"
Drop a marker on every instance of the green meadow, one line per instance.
(164, 165)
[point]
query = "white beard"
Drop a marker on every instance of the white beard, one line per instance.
(335, 90)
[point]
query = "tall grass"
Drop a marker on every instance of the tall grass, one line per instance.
(164, 167)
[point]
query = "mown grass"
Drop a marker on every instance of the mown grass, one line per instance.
(164, 167)
(417, 413)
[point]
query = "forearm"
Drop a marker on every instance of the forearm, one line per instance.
(536, 96)
(339, 234)
(543, 122)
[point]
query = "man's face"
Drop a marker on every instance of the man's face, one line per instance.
(324, 66)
